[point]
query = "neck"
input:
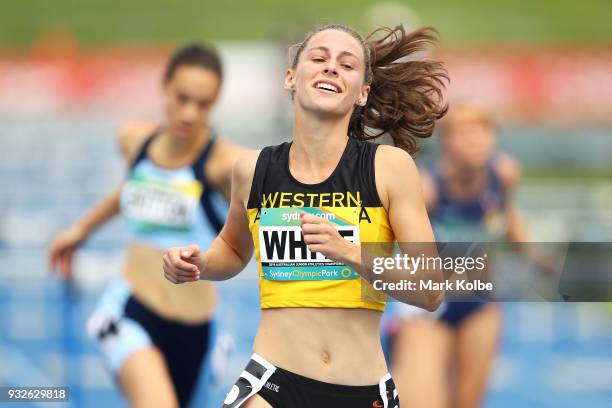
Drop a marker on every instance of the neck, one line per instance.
(318, 142)
(462, 174)
(179, 146)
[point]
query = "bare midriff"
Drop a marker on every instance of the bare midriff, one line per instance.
(333, 345)
(190, 304)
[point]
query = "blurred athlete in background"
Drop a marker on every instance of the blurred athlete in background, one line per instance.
(179, 173)
(442, 359)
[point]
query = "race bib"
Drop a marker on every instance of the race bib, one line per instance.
(165, 204)
(285, 256)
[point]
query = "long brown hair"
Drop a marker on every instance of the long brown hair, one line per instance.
(406, 94)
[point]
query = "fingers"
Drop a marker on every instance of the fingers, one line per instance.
(189, 272)
(306, 218)
(316, 248)
(61, 262)
(190, 251)
(315, 228)
(178, 269)
(65, 264)
(317, 233)
(310, 239)
(173, 276)
(60, 258)
(180, 265)
(321, 236)
(182, 258)
(169, 277)
(52, 261)
(54, 255)
(180, 275)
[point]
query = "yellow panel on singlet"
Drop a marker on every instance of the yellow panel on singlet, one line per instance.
(292, 276)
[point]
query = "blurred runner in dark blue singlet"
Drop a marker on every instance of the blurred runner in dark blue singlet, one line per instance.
(443, 358)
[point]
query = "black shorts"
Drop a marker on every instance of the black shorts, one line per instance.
(456, 312)
(183, 346)
(121, 325)
(284, 389)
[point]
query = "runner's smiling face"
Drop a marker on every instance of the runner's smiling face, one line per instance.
(329, 76)
(189, 95)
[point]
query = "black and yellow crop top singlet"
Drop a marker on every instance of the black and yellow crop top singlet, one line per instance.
(289, 274)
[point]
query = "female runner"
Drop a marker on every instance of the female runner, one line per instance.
(468, 197)
(173, 195)
(305, 206)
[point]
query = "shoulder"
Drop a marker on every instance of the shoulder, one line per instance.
(131, 136)
(507, 169)
(395, 172)
(244, 166)
(224, 155)
(243, 172)
(391, 159)
(225, 146)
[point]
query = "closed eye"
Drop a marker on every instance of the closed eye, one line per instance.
(182, 98)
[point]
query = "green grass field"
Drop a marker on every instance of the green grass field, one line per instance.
(106, 22)
(555, 174)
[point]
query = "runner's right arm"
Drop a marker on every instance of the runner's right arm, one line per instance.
(232, 249)
(63, 246)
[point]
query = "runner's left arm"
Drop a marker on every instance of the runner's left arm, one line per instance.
(509, 172)
(403, 199)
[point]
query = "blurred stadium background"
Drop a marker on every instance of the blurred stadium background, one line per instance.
(71, 72)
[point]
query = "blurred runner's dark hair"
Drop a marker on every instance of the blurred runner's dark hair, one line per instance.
(197, 55)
